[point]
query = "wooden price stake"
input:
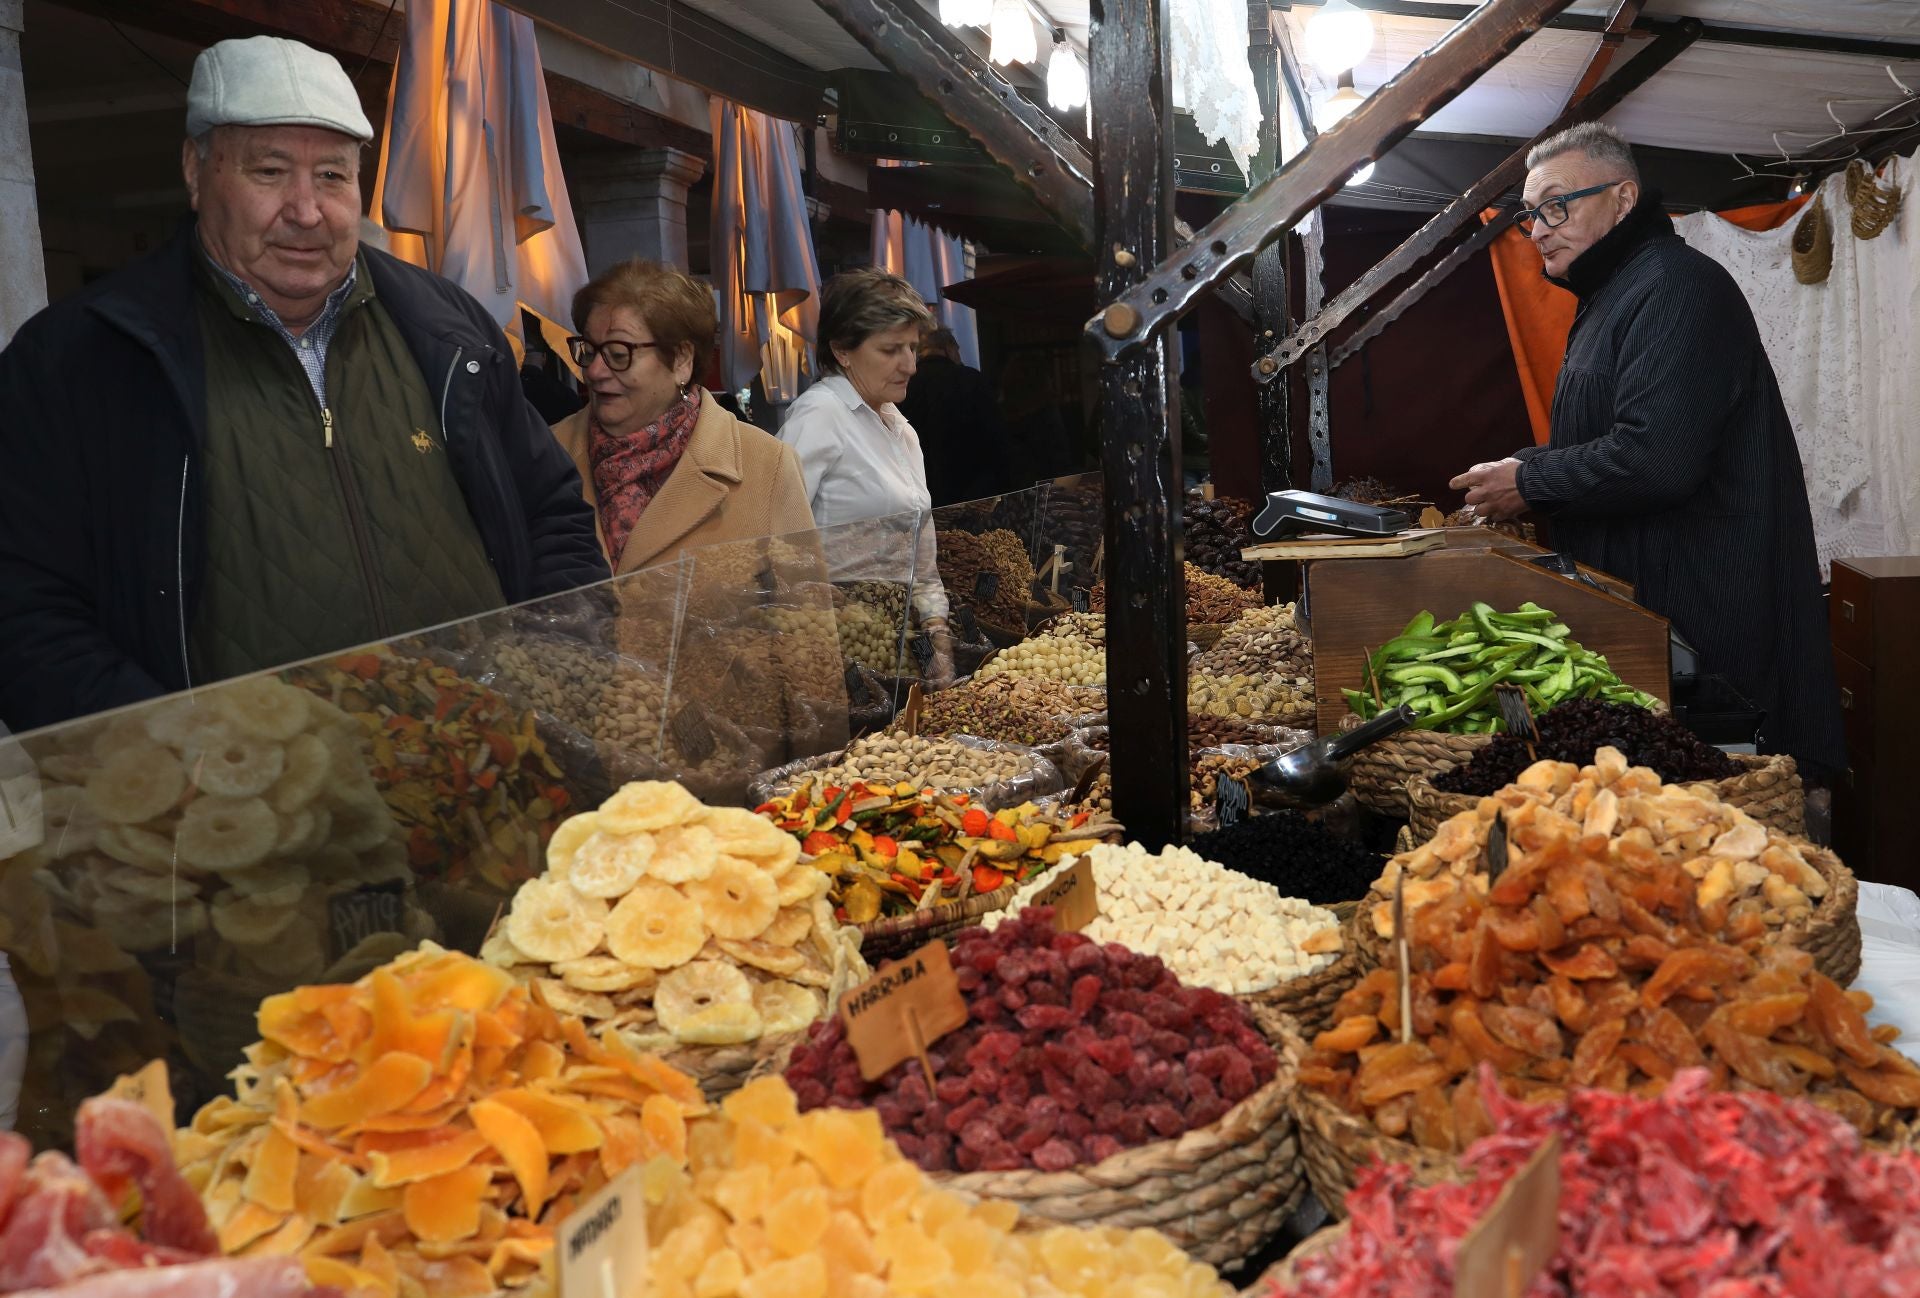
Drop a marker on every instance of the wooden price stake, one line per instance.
(1074, 896)
(905, 1007)
(910, 715)
(1404, 954)
(603, 1242)
(1516, 1237)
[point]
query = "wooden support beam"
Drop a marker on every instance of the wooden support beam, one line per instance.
(363, 33)
(1430, 237)
(1404, 303)
(1015, 132)
(1139, 427)
(1272, 315)
(1619, 23)
(1231, 239)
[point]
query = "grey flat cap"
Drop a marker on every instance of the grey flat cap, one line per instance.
(267, 81)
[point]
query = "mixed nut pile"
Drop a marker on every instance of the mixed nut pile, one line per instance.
(925, 762)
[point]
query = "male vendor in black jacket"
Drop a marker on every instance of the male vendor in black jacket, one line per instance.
(1672, 464)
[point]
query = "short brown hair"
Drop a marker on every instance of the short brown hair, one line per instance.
(677, 308)
(857, 304)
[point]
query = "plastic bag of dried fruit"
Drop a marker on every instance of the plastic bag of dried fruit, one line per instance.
(1033, 775)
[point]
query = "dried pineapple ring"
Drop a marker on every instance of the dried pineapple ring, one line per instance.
(723, 1025)
(233, 765)
(245, 922)
(654, 926)
(224, 834)
(790, 927)
(361, 821)
(136, 784)
(550, 921)
(264, 706)
(602, 973)
(271, 883)
(736, 900)
(70, 822)
(295, 832)
(143, 926)
(562, 999)
(131, 845)
(180, 723)
(567, 838)
(608, 865)
(500, 951)
(294, 955)
(785, 1007)
(647, 805)
(764, 955)
(683, 855)
(133, 882)
(740, 832)
(309, 762)
(697, 988)
(799, 884)
(780, 858)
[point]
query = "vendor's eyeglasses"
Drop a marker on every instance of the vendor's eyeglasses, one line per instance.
(1553, 211)
(617, 353)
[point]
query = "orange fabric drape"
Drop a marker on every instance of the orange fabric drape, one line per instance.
(1539, 315)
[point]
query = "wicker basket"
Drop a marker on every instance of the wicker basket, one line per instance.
(1831, 935)
(1379, 772)
(1219, 1192)
(1767, 788)
(895, 935)
(1309, 999)
(722, 1070)
(1336, 1144)
(1207, 634)
(1287, 1270)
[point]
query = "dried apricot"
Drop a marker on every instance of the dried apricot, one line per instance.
(1596, 1050)
(1588, 961)
(1765, 1015)
(1667, 1033)
(1647, 1060)
(1524, 1029)
(1834, 1015)
(1348, 1035)
(1433, 1119)
(1471, 1029)
(1751, 1058)
(1883, 1085)
(1572, 1008)
(1398, 1069)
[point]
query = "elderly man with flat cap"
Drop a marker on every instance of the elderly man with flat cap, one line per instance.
(264, 442)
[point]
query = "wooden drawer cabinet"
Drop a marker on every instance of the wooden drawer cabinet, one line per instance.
(1874, 616)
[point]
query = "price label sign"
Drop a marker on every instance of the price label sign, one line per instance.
(905, 1007)
(986, 584)
(1508, 1247)
(603, 1242)
(1082, 600)
(857, 692)
(1232, 800)
(692, 733)
(1074, 897)
(922, 646)
(353, 917)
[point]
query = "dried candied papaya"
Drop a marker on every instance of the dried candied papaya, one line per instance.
(1885, 1085)
(1470, 1120)
(1524, 1029)
(1567, 892)
(1585, 961)
(1553, 932)
(1596, 1049)
(1834, 1016)
(1399, 1069)
(1483, 966)
(1850, 1105)
(1395, 1116)
(1451, 977)
(1367, 995)
(1646, 1059)
(1763, 1016)
(1433, 1120)
(1752, 1058)
(1693, 966)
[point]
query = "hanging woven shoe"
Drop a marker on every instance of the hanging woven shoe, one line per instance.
(1813, 244)
(1875, 205)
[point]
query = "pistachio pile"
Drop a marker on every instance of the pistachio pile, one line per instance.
(1211, 926)
(923, 762)
(989, 573)
(1029, 710)
(1266, 698)
(585, 691)
(870, 616)
(1072, 650)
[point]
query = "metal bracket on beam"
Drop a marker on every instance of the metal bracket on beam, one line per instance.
(1015, 132)
(1484, 193)
(1231, 239)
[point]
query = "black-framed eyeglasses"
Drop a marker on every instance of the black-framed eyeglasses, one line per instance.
(618, 353)
(1553, 211)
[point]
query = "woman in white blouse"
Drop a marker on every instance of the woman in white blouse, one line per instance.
(859, 456)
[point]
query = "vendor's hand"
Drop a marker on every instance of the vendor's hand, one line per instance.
(1493, 491)
(939, 673)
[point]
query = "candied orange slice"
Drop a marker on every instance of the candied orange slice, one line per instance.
(317, 1022)
(405, 1120)
(289, 1239)
(400, 1027)
(541, 1060)
(664, 1128)
(518, 1142)
(509, 1252)
(332, 1271)
(320, 1187)
(364, 1198)
(248, 1223)
(390, 1082)
(270, 1178)
(624, 1144)
(453, 1151)
(566, 1126)
(447, 1207)
(455, 982)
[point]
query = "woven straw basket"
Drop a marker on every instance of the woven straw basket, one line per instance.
(1831, 935)
(1287, 1270)
(1336, 1144)
(1309, 1000)
(892, 937)
(722, 1070)
(1767, 788)
(1379, 773)
(1219, 1192)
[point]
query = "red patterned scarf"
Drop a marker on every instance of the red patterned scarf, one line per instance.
(629, 470)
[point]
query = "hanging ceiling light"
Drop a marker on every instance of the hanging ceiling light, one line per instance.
(966, 13)
(1066, 79)
(1335, 107)
(1338, 37)
(1012, 33)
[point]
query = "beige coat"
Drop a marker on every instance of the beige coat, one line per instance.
(733, 483)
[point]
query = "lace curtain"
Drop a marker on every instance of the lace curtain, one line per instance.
(1847, 355)
(1211, 76)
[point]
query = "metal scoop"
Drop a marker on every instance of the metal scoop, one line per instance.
(1315, 774)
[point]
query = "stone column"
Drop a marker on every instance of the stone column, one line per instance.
(634, 204)
(23, 267)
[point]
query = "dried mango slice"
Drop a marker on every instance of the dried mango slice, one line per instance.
(425, 1161)
(388, 1083)
(518, 1142)
(270, 1178)
(446, 1207)
(565, 1126)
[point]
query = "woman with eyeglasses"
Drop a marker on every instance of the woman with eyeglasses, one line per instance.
(664, 466)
